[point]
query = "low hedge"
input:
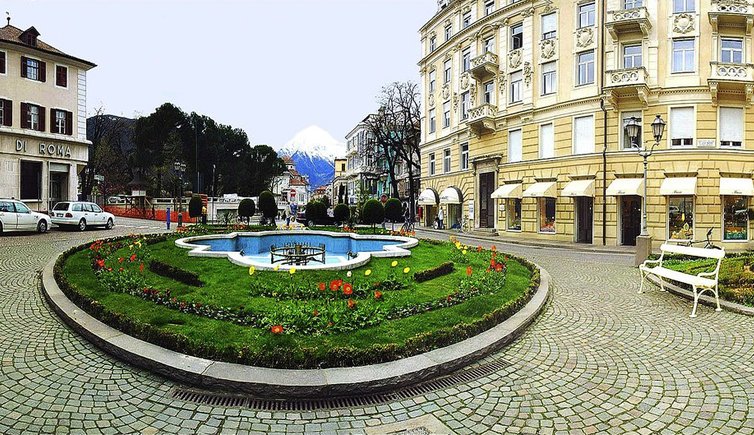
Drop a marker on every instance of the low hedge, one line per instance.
(172, 272)
(435, 272)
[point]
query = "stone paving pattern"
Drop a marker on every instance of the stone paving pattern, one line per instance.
(600, 359)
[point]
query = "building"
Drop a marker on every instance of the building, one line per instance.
(366, 174)
(43, 146)
(290, 187)
(338, 191)
(526, 103)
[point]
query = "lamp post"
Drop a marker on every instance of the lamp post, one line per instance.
(180, 168)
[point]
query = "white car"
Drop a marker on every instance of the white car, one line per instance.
(81, 215)
(16, 216)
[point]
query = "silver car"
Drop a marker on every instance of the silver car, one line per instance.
(16, 216)
(81, 215)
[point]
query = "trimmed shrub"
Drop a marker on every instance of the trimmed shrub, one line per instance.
(342, 213)
(393, 210)
(315, 210)
(374, 213)
(426, 275)
(267, 206)
(247, 208)
(172, 272)
(195, 206)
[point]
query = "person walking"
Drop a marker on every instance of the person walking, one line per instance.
(441, 218)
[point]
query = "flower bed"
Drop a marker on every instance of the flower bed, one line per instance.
(295, 319)
(736, 280)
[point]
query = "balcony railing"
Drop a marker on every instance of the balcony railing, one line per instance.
(731, 13)
(482, 119)
(732, 78)
(628, 21)
(484, 66)
(628, 83)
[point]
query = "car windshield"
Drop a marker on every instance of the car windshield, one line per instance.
(61, 206)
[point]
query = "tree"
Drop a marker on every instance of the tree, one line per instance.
(315, 211)
(341, 213)
(195, 206)
(246, 208)
(393, 210)
(111, 137)
(374, 213)
(158, 140)
(267, 206)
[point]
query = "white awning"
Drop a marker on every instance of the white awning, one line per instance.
(512, 190)
(428, 197)
(544, 189)
(451, 195)
(737, 186)
(678, 186)
(626, 186)
(579, 188)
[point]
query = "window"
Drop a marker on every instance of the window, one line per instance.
(631, 4)
(6, 112)
(465, 105)
(732, 50)
(466, 20)
(681, 217)
(680, 6)
(61, 76)
(32, 116)
(466, 60)
(446, 114)
(432, 122)
(464, 156)
(549, 78)
(446, 71)
(489, 45)
(515, 153)
(517, 36)
(432, 43)
(682, 126)
(735, 218)
(683, 55)
(625, 117)
(32, 69)
(448, 32)
(549, 26)
(546, 141)
(731, 126)
(2, 62)
(516, 79)
(59, 121)
(513, 214)
(489, 92)
(583, 134)
(546, 215)
(632, 56)
(586, 15)
(432, 80)
(31, 181)
(585, 68)
(489, 7)
(446, 160)
(432, 164)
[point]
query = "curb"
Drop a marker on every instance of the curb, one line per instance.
(282, 383)
(703, 299)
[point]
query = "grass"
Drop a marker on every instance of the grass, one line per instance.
(736, 279)
(228, 285)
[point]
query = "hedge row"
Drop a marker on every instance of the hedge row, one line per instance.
(435, 272)
(172, 272)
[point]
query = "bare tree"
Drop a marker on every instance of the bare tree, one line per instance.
(107, 134)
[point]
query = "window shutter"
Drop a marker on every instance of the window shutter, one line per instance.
(7, 113)
(547, 140)
(69, 123)
(23, 67)
(42, 71)
(584, 135)
(24, 115)
(681, 122)
(732, 124)
(41, 118)
(2, 62)
(515, 152)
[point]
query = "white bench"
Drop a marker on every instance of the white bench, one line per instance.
(706, 281)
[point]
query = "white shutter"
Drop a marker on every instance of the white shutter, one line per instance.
(515, 153)
(681, 122)
(731, 124)
(583, 135)
(546, 141)
(548, 23)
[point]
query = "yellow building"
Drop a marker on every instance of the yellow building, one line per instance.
(525, 107)
(43, 145)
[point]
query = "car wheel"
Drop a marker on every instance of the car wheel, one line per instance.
(42, 226)
(82, 225)
(309, 224)
(109, 224)
(1, 227)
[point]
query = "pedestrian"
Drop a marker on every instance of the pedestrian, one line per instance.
(440, 218)
(287, 219)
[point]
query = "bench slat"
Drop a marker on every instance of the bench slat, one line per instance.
(680, 276)
(692, 251)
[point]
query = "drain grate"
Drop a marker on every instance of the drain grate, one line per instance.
(261, 404)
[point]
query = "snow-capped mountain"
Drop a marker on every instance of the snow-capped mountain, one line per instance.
(313, 151)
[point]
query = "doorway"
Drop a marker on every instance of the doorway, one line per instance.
(584, 219)
(486, 203)
(630, 219)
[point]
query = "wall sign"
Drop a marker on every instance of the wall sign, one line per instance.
(50, 150)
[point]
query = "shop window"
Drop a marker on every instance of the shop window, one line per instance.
(735, 218)
(31, 180)
(513, 214)
(546, 215)
(681, 217)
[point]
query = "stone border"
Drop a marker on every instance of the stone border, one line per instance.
(704, 299)
(312, 383)
(389, 251)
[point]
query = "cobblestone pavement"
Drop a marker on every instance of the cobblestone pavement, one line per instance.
(601, 358)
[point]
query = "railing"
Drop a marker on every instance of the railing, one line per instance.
(486, 58)
(627, 77)
(732, 7)
(628, 20)
(724, 71)
(481, 112)
(625, 15)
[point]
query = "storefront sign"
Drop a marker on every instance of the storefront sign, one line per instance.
(51, 150)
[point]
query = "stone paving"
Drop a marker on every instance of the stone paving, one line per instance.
(600, 359)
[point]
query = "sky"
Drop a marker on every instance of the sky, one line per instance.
(270, 67)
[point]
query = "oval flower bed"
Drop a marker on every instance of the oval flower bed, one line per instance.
(386, 310)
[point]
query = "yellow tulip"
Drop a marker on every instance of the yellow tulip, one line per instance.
(252, 269)
(394, 263)
(407, 270)
(292, 270)
(463, 252)
(276, 268)
(368, 272)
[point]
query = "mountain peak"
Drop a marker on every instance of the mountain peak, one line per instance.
(314, 141)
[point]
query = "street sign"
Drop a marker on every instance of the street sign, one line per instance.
(99, 178)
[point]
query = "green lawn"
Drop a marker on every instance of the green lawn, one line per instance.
(736, 279)
(233, 289)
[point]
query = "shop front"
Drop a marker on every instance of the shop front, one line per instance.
(452, 199)
(428, 201)
(511, 194)
(735, 194)
(582, 192)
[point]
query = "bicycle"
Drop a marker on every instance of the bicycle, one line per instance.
(463, 226)
(707, 243)
(408, 226)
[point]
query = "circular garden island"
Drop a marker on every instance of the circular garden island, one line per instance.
(384, 310)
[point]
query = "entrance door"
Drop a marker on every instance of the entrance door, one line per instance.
(486, 203)
(630, 219)
(584, 219)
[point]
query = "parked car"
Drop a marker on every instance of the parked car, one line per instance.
(16, 216)
(81, 215)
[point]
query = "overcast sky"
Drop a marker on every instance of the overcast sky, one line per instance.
(271, 67)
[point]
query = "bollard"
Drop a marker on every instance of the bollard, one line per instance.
(167, 220)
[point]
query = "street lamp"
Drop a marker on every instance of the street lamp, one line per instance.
(633, 129)
(180, 168)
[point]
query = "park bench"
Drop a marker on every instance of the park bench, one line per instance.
(705, 281)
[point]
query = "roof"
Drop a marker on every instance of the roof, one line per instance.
(12, 35)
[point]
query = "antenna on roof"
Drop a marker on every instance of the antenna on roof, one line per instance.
(8, 18)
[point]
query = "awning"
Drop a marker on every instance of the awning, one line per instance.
(678, 186)
(544, 189)
(737, 186)
(511, 190)
(428, 197)
(451, 195)
(626, 186)
(579, 188)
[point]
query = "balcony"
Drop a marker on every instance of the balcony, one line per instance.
(731, 14)
(731, 78)
(628, 82)
(482, 119)
(628, 21)
(484, 66)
